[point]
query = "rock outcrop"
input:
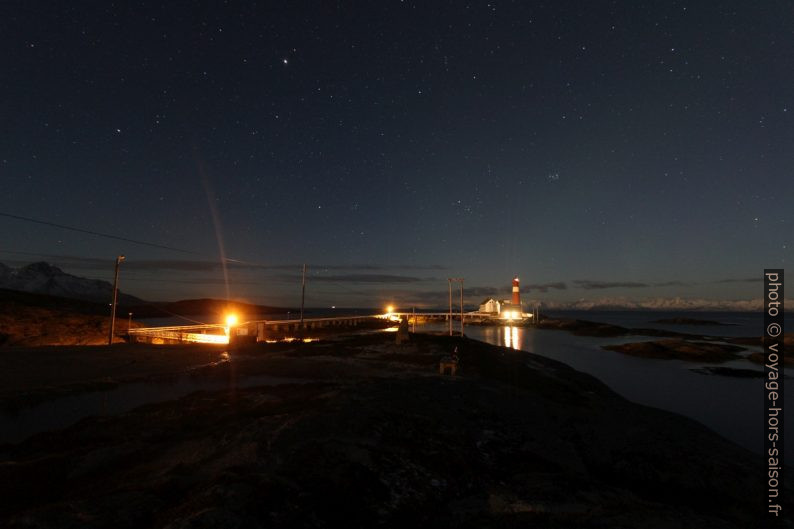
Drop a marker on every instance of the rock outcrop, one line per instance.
(374, 437)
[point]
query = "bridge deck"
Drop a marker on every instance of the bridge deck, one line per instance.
(219, 333)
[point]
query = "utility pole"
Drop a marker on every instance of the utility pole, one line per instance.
(129, 323)
(459, 280)
(119, 260)
(461, 306)
(449, 280)
(303, 292)
(413, 310)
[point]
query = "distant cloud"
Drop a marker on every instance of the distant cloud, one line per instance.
(197, 265)
(360, 278)
(384, 267)
(482, 291)
(599, 285)
(477, 294)
(189, 281)
(174, 265)
(436, 296)
(188, 265)
(741, 280)
(471, 295)
(544, 287)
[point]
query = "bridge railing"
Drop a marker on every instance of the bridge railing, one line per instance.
(179, 328)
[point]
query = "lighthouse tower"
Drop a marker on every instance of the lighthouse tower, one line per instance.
(516, 293)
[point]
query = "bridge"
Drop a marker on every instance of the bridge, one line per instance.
(255, 330)
(205, 333)
(275, 330)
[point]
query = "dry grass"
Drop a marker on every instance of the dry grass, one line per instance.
(34, 326)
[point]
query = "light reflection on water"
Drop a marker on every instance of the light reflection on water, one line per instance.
(507, 336)
(511, 338)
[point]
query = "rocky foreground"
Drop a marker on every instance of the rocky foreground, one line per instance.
(372, 436)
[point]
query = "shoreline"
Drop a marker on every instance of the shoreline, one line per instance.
(110, 372)
(372, 410)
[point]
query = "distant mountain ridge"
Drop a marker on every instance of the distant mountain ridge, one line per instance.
(44, 278)
(656, 304)
(49, 286)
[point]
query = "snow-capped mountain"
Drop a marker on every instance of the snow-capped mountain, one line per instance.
(653, 304)
(44, 278)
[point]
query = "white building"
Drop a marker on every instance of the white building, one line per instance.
(490, 306)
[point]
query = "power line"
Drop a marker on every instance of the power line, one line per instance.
(95, 233)
(158, 307)
(116, 237)
(145, 243)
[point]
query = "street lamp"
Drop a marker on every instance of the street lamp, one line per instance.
(231, 322)
(119, 260)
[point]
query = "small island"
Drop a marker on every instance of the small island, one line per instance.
(759, 357)
(691, 351)
(603, 330)
(690, 321)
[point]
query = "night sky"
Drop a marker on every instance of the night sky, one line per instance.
(627, 150)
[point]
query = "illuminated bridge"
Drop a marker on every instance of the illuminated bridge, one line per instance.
(274, 330)
(255, 330)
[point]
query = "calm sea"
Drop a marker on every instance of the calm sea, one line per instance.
(732, 407)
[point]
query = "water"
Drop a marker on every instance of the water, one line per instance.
(65, 411)
(731, 406)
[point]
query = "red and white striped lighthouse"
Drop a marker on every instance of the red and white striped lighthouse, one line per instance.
(516, 293)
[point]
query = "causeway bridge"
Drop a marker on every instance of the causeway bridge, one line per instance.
(276, 330)
(256, 330)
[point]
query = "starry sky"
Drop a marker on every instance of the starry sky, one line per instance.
(627, 150)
